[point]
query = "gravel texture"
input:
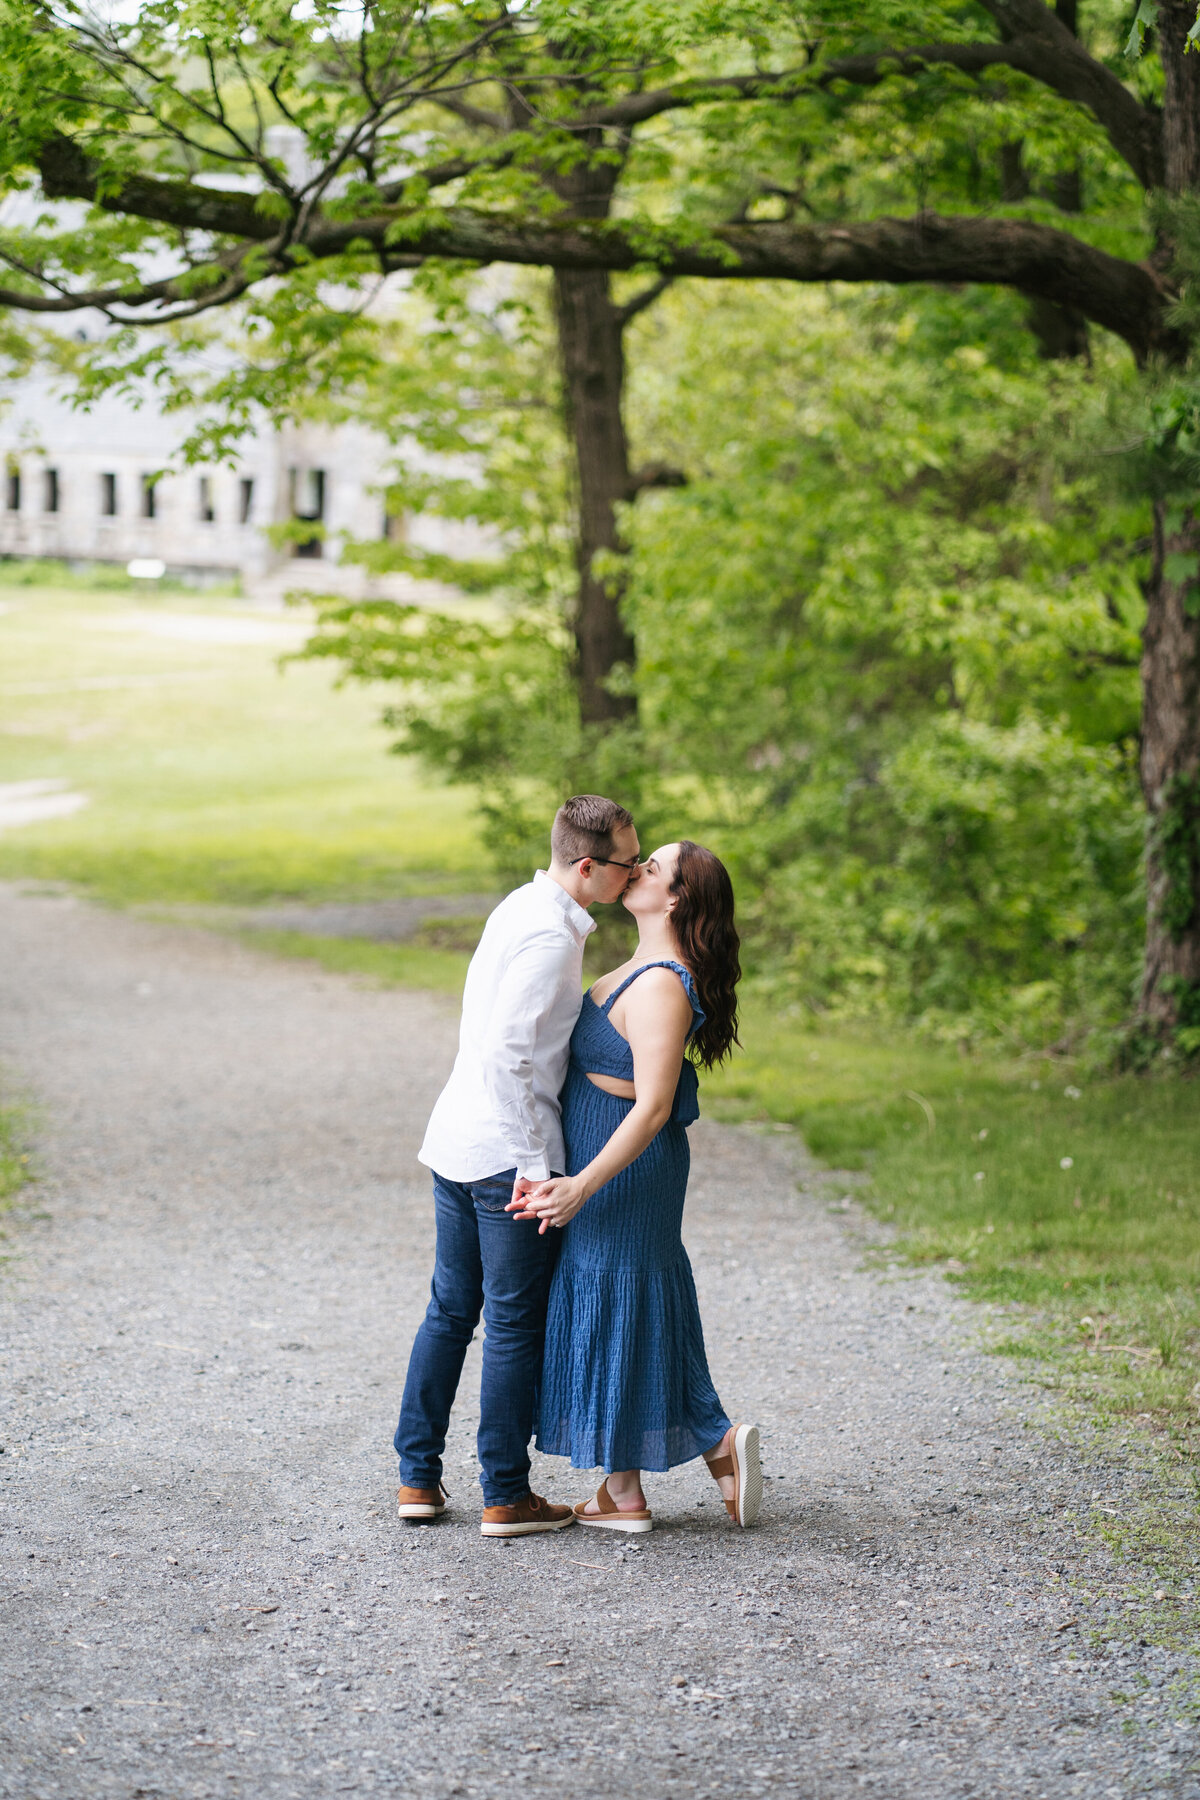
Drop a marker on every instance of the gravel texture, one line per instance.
(206, 1318)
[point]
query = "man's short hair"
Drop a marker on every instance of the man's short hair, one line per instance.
(584, 826)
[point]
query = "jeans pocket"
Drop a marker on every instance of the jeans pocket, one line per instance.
(494, 1194)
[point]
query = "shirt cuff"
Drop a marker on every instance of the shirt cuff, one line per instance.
(536, 1170)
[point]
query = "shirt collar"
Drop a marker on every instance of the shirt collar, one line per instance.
(581, 922)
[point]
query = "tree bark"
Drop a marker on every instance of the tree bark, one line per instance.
(1181, 97)
(590, 327)
(1170, 773)
(593, 364)
(1170, 742)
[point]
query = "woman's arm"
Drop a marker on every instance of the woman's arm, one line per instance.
(658, 1017)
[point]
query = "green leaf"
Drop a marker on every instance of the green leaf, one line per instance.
(1180, 565)
(1145, 18)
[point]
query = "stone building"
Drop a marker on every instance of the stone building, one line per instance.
(86, 487)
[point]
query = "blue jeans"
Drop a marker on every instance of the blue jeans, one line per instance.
(486, 1260)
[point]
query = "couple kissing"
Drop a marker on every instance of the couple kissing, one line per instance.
(559, 1155)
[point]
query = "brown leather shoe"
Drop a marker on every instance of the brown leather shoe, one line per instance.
(525, 1516)
(421, 1503)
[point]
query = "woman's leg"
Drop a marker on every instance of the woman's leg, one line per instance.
(737, 1465)
(722, 1448)
(625, 1491)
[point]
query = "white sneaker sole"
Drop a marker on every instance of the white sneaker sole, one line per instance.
(606, 1522)
(417, 1511)
(528, 1530)
(748, 1476)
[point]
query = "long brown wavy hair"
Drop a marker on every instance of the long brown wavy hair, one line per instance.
(703, 923)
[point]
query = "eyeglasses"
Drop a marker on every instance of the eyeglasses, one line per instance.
(610, 862)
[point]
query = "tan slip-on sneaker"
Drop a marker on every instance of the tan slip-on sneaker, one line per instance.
(742, 1462)
(421, 1503)
(524, 1517)
(611, 1517)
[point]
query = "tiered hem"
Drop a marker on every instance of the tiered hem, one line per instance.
(625, 1381)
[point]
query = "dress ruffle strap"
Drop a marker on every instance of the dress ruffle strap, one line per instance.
(685, 975)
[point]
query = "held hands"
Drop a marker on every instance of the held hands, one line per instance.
(550, 1202)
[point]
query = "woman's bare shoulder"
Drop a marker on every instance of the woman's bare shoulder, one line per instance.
(656, 988)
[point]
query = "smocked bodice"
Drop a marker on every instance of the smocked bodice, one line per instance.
(597, 1047)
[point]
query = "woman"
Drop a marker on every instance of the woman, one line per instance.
(625, 1382)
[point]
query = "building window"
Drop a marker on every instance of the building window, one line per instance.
(149, 497)
(108, 496)
(12, 490)
(50, 490)
(246, 499)
(308, 502)
(208, 511)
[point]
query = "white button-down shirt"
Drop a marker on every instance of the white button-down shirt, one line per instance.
(500, 1108)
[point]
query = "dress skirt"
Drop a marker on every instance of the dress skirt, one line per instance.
(625, 1381)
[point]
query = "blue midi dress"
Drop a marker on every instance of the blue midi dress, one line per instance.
(625, 1381)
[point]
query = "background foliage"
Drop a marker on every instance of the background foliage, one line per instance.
(888, 633)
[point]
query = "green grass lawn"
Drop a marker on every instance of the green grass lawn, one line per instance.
(212, 774)
(417, 964)
(1074, 1195)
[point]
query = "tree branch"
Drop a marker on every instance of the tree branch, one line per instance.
(478, 116)
(438, 174)
(654, 475)
(1046, 52)
(640, 302)
(1125, 297)
(68, 173)
(1057, 58)
(99, 298)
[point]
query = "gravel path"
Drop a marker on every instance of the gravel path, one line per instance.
(206, 1322)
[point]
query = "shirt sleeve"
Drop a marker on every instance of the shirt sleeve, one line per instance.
(527, 992)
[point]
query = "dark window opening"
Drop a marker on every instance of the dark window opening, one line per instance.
(395, 527)
(246, 503)
(12, 490)
(50, 494)
(208, 511)
(308, 502)
(149, 497)
(108, 496)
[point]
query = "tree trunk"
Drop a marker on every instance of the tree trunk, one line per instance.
(590, 328)
(1170, 771)
(593, 363)
(1170, 750)
(1181, 96)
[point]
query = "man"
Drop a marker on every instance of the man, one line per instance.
(495, 1132)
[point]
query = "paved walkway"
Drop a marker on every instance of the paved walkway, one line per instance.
(205, 1326)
